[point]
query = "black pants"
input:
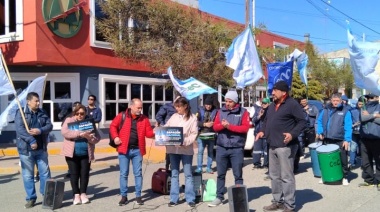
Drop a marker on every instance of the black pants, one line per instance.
(370, 150)
(343, 154)
(309, 136)
(79, 168)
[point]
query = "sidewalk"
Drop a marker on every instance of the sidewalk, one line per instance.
(105, 156)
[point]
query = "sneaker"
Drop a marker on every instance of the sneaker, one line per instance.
(123, 201)
(172, 204)
(139, 201)
(215, 202)
(30, 203)
(274, 207)
(192, 204)
(257, 167)
(320, 181)
(198, 170)
(36, 178)
(84, 199)
(288, 210)
(77, 200)
(345, 182)
(365, 184)
(209, 171)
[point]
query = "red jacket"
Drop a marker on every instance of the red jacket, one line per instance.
(143, 130)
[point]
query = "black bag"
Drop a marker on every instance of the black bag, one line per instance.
(112, 142)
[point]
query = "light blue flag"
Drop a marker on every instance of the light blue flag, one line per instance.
(282, 71)
(364, 57)
(8, 115)
(243, 58)
(5, 85)
(191, 87)
(301, 62)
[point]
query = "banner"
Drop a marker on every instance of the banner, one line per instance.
(364, 57)
(8, 115)
(279, 72)
(5, 84)
(191, 87)
(165, 136)
(243, 58)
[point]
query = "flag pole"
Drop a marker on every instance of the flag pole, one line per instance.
(15, 93)
(43, 90)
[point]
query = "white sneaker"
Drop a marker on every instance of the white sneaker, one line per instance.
(345, 182)
(215, 203)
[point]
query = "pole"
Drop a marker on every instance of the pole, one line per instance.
(246, 13)
(253, 14)
(15, 93)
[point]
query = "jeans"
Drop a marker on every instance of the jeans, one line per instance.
(79, 168)
(187, 161)
(354, 148)
(39, 157)
(224, 156)
(210, 152)
(135, 156)
(283, 182)
(260, 148)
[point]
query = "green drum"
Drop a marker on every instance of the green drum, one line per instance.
(330, 164)
(207, 136)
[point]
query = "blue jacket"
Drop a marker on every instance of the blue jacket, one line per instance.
(24, 140)
(96, 114)
(165, 112)
(370, 129)
(335, 123)
(201, 121)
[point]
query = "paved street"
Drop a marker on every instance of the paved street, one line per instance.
(104, 188)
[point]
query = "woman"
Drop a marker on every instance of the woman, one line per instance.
(78, 148)
(183, 118)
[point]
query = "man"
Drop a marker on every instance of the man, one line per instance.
(93, 111)
(370, 136)
(260, 147)
(131, 147)
(32, 146)
(312, 113)
(355, 143)
(334, 126)
(232, 124)
(285, 120)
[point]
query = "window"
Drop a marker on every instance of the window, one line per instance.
(11, 20)
(117, 92)
(283, 51)
(61, 90)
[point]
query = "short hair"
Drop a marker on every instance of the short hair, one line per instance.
(76, 103)
(31, 95)
(135, 100)
(93, 96)
(336, 95)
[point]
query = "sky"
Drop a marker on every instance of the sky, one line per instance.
(324, 20)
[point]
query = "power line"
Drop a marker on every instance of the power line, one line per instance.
(286, 33)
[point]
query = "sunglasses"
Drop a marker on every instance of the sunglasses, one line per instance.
(79, 114)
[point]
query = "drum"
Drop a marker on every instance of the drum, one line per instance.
(330, 164)
(207, 136)
(314, 158)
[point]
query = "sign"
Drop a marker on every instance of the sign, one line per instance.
(167, 136)
(84, 125)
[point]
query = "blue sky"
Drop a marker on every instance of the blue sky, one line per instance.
(294, 18)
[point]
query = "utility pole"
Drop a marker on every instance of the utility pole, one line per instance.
(246, 13)
(253, 14)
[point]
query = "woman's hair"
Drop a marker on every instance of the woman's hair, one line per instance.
(182, 101)
(77, 108)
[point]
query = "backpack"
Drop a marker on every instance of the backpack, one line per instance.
(112, 141)
(209, 193)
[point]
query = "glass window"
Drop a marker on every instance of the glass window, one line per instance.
(98, 16)
(19, 86)
(123, 91)
(159, 92)
(110, 111)
(136, 91)
(47, 91)
(147, 92)
(62, 90)
(111, 90)
(11, 20)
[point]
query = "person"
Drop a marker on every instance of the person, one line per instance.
(206, 116)
(355, 143)
(370, 137)
(285, 120)
(131, 146)
(78, 149)
(232, 124)
(312, 114)
(334, 126)
(260, 147)
(32, 146)
(183, 118)
(93, 111)
(162, 116)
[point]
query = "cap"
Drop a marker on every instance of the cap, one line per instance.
(281, 85)
(265, 100)
(370, 96)
(208, 101)
(232, 95)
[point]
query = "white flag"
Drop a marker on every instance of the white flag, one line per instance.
(8, 115)
(5, 85)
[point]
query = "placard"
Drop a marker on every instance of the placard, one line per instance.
(84, 125)
(167, 136)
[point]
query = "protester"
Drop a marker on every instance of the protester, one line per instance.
(32, 146)
(334, 126)
(206, 116)
(370, 137)
(260, 147)
(78, 149)
(285, 120)
(231, 124)
(93, 111)
(131, 147)
(312, 114)
(355, 143)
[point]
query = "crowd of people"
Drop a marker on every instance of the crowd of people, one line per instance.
(283, 128)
